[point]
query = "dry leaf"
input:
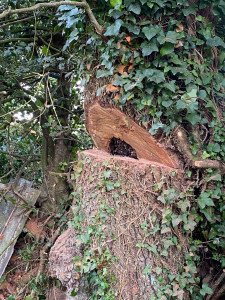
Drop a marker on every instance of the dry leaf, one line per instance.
(180, 28)
(77, 276)
(131, 60)
(121, 68)
(112, 88)
(118, 45)
(116, 97)
(178, 44)
(88, 66)
(128, 39)
(78, 264)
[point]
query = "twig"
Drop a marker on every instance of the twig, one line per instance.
(99, 28)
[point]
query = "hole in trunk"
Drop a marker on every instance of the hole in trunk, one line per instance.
(119, 147)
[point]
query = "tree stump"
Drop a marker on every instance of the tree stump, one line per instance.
(125, 206)
(126, 232)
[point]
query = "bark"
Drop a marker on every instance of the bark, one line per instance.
(123, 205)
(55, 151)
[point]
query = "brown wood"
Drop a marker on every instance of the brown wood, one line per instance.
(104, 123)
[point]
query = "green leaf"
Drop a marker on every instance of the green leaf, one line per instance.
(135, 8)
(204, 200)
(147, 48)
(44, 50)
(150, 31)
(147, 270)
(117, 184)
(206, 290)
(154, 75)
(170, 85)
(193, 118)
(208, 212)
(116, 2)
(214, 147)
(73, 293)
(190, 225)
(215, 42)
(188, 11)
(134, 29)
(176, 221)
(202, 94)
(167, 103)
(171, 37)
(104, 73)
(107, 174)
(114, 29)
(183, 205)
(167, 48)
(109, 186)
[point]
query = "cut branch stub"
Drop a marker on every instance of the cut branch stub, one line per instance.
(106, 123)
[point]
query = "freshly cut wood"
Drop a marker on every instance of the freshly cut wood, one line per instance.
(106, 123)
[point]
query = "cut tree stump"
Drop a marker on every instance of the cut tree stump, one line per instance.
(125, 205)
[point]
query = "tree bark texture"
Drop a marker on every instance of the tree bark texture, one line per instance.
(119, 197)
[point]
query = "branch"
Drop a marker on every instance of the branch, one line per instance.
(99, 28)
(183, 145)
(17, 39)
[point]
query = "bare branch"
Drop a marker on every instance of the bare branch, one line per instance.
(17, 39)
(184, 147)
(83, 4)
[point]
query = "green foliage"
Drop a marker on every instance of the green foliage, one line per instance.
(174, 80)
(95, 262)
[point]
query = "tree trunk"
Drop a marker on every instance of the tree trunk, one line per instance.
(128, 239)
(125, 206)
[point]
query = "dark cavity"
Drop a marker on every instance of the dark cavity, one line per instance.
(119, 147)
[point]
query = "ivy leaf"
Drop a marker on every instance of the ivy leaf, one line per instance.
(167, 103)
(134, 29)
(183, 205)
(157, 76)
(206, 290)
(190, 225)
(202, 94)
(208, 212)
(170, 86)
(176, 221)
(150, 31)
(107, 174)
(114, 29)
(109, 186)
(171, 37)
(147, 48)
(193, 118)
(205, 201)
(116, 2)
(188, 11)
(167, 48)
(215, 42)
(135, 8)
(104, 73)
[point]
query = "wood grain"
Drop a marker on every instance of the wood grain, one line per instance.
(104, 123)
